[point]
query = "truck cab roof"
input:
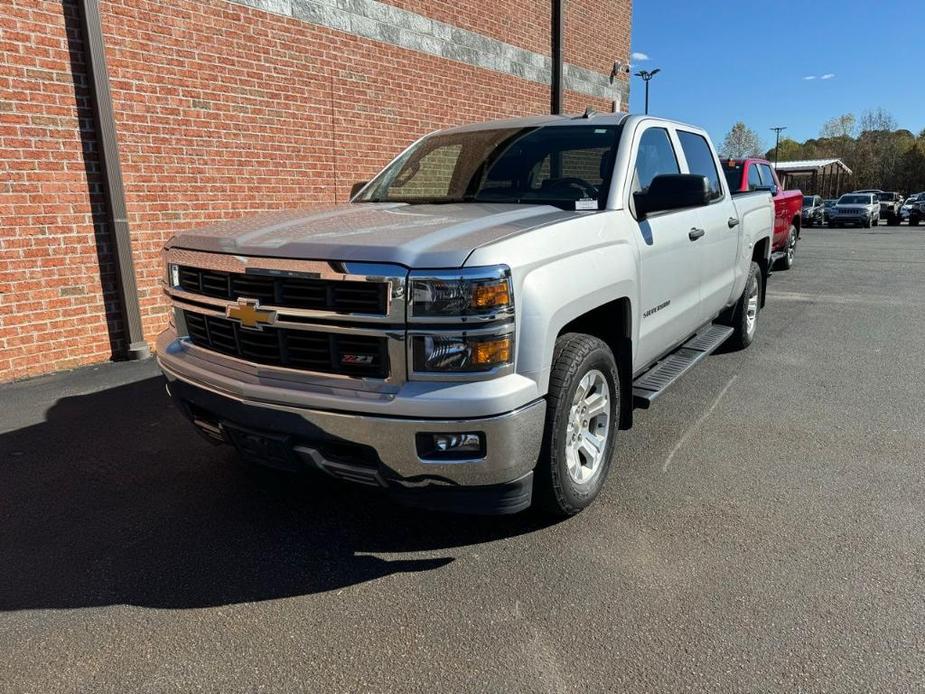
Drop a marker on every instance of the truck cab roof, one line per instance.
(626, 119)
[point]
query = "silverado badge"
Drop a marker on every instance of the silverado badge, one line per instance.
(249, 314)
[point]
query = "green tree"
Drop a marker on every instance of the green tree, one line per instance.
(912, 168)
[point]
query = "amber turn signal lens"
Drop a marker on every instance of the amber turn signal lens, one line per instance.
(491, 352)
(491, 295)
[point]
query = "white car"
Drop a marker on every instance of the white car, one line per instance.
(862, 209)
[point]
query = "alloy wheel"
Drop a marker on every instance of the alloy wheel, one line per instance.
(588, 427)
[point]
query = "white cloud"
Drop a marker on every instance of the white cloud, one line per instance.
(809, 77)
(639, 56)
(827, 76)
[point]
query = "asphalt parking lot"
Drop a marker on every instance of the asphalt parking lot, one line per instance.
(762, 530)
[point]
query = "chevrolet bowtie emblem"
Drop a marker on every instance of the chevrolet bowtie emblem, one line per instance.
(250, 315)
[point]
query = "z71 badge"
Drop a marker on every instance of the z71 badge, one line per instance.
(359, 359)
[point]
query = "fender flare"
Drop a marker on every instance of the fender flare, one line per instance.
(556, 293)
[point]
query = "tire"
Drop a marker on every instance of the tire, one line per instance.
(567, 478)
(744, 329)
(786, 262)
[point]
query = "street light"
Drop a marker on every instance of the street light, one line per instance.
(777, 142)
(645, 75)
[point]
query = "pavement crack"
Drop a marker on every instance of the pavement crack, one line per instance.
(696, 425)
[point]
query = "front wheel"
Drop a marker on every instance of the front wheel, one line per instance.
(582, 415)
(743, 318)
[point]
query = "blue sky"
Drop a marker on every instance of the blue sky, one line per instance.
(721, 63)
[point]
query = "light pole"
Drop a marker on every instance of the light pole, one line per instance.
(777, 142)
(645, 75)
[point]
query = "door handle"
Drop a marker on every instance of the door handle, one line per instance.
(733, 222)
(695, 234)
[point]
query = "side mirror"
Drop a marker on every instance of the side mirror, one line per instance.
(673, 192)
(357, 187)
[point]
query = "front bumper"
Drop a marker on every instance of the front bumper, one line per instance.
(369, 448)
(849, 219)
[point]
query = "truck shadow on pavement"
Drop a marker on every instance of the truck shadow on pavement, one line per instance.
(114, 499)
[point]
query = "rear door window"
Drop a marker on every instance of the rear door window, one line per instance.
(767, 176)
(700, 160)
(754, 178)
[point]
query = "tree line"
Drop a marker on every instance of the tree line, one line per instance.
(878, 152)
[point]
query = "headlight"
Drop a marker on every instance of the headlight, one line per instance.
(461, 353)
(460, 295)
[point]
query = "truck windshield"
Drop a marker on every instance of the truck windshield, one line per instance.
(807, 201)
(854, 200)
(568, 166)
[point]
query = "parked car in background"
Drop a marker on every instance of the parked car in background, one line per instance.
(917, 210)
(757, 174)
(908, 205)
(890, 205)
(861, 209)
(472, 329)
(813, 213)
(827, 206)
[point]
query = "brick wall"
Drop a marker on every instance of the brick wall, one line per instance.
(56, 275)
(222, 110)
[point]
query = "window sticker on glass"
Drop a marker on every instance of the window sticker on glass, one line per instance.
(586, 204)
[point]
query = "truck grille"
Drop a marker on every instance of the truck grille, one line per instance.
(289, 292)
(334, 353)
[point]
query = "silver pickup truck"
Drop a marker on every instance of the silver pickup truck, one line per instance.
(473, 328)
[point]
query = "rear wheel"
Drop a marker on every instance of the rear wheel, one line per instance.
(786, 262)
(744, 316)
(583, 411)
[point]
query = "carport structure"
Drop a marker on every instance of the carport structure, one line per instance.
(814, 176)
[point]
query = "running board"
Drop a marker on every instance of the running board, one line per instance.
(657, 380)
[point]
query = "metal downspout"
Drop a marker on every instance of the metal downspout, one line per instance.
(113, 188)
(556, 53)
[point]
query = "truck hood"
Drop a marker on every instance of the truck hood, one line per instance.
(410, 235)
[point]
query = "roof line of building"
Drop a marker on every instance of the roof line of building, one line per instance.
(810, 165)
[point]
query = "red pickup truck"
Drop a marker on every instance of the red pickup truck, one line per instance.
(744, 175)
